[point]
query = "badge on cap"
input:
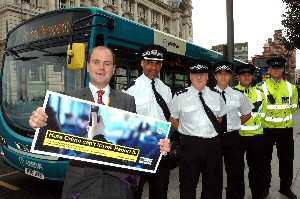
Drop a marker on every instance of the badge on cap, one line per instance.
(152, 52)
(199, 66)
(276, 62)
(225, 66)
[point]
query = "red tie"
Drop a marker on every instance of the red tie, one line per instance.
(100, 94)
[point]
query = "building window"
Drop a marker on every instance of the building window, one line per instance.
(71, 4)
(127, 5)
(25, 1)
(154, 17)
(37, 74)
(142, 12)
(62, 4)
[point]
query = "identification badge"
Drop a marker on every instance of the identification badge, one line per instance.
(285, 100)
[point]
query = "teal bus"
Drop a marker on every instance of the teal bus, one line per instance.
(37, 58)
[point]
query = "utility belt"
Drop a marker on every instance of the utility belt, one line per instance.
(230, 133)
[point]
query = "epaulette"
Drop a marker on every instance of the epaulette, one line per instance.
(214, 89)
(130, 84)
(181, 91)
(257, 88)
(234, 88)
(260, 83)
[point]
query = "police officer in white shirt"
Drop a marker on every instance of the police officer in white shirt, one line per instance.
(239, 111)
(146, 104)
(200, 145)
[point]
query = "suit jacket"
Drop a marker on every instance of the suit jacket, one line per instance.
(118, 100)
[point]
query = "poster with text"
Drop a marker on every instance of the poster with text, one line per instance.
(86, 131)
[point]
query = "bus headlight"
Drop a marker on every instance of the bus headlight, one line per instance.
(3, 141)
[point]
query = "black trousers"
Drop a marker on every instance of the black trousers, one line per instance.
(231, 145)
(84, 182)
(158, 182)
(253, 146)
(283, 138)
(200, 155)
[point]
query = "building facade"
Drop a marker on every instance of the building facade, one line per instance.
(275, 48)
(240, 50)
(170, 16)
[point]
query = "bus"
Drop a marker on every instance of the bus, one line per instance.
(37, 58)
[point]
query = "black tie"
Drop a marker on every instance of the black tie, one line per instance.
(224, 120)
(211, 115)
(161, 102)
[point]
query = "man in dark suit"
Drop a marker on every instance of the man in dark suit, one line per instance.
(89, 180)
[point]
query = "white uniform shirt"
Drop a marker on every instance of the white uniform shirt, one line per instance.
(237, 102)
(105, 96)
(193, 119)
(145, 100)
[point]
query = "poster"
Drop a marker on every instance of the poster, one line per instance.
(86, 131)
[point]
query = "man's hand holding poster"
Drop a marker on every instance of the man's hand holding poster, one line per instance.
(86, 131)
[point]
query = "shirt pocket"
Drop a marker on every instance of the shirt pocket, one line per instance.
(215, 108)
(234, 104)
(142, 104)
(189, 113)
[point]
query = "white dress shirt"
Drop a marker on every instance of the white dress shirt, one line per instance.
(105, 96)
(145, 100)
(193, 120)
(237, 102)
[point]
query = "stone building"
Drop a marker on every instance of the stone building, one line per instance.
(170, 16)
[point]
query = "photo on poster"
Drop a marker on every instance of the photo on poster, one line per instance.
(86, 131)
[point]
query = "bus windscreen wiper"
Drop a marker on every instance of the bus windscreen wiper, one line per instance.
(17, 57)
(26, 58)
(60, 54)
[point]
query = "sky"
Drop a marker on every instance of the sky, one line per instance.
(254, 22)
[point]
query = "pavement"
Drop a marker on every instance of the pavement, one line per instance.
(173, 192)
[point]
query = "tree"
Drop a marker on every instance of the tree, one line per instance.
(291, 23)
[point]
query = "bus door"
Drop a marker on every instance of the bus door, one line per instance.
(175, 73)
(128, 66)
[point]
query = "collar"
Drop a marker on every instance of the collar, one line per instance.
(274, 80)
(148, 80)
(220, 90)
(244, 89)
(94, 89)
(196, 92)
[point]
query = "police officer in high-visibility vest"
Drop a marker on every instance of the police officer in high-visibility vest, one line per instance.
(252, 130)
(282, 99)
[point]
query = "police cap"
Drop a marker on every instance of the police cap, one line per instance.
(245, 68)
(152, 52)
(276, 62)
(199, 66)
(223, 66)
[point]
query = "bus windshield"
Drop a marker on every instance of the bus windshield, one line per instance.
(26, 79)
(35, 61)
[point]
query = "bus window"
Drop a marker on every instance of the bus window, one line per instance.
(26, 80)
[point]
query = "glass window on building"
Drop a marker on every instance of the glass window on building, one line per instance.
(62, 4)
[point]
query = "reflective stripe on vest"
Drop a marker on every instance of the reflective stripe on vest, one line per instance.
(278, 119)
(279, 107)
(250, 128)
